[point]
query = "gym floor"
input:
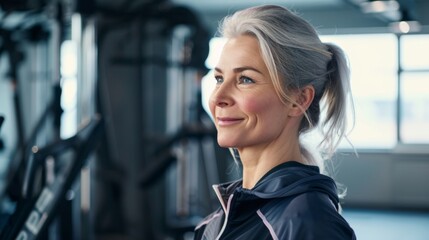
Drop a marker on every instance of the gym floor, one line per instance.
(388, 225)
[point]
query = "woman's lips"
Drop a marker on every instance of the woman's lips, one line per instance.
(228, 121)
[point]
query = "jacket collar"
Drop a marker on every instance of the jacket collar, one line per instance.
(285, 180)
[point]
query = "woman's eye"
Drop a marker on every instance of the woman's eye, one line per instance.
(246, 80)
(218, 79)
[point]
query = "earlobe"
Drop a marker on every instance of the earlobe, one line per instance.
(302, 101)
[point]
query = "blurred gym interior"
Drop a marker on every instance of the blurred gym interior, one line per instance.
(104, 132)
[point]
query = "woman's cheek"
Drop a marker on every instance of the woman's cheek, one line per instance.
(254, 104)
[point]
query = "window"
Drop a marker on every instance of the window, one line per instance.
(415, 52)
(69, 88)
(414, 79)
(373, 63)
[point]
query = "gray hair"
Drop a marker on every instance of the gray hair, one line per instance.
(295, 58)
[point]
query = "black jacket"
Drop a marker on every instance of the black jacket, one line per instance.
(292, 201)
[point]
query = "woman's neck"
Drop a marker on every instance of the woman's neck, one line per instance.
(257, 161)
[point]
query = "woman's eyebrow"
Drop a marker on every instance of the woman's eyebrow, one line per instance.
(218, 69)
(240, 69)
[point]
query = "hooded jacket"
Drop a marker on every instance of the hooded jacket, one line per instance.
(292, 201)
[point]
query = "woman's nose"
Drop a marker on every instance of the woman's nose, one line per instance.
(222, 96)
(222, 104)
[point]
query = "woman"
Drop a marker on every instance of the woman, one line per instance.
(272, 74)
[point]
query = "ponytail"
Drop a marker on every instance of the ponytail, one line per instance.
(335, 99)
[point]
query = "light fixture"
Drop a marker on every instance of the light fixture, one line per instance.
(379, 6)
(405, 25)
(386, 9)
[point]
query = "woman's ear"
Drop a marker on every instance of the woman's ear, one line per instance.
(303, 98)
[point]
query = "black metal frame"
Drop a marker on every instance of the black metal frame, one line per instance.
(164, 155)
(10, 46)
(34, 214)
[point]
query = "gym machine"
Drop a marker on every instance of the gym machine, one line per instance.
(34, 29)
(157, 131)
(152, 175)
(41, 205)
(55, 16)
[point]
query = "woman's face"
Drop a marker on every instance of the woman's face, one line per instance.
(246, 109)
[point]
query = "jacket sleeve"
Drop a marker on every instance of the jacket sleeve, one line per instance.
(298, 229)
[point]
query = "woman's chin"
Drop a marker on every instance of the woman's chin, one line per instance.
(226, 144)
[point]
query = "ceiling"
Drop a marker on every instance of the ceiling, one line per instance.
(222, 5)
(324, 14)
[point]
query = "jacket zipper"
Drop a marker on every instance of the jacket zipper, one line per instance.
(226, 217)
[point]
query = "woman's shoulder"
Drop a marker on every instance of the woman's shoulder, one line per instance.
(307, 204)
(310, 215)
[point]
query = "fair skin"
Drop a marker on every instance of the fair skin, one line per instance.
(248, 113)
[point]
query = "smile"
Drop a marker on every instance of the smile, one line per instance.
(227, 121)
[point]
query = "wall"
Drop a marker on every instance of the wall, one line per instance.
(385, 180)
